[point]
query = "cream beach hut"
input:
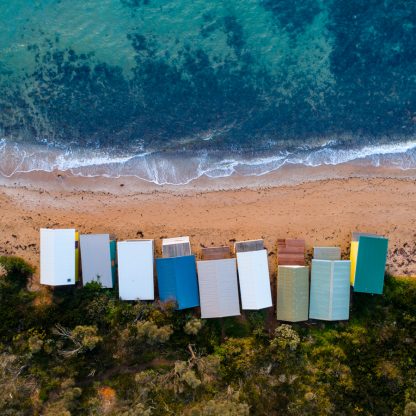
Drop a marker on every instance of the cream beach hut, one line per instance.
(57, 257)
(135, 270)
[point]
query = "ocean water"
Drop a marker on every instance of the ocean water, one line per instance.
(170, 91)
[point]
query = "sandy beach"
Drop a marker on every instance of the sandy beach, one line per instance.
(323, 212)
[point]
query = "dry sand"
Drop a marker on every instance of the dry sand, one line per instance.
(323, 212)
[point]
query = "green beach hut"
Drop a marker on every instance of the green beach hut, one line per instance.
(292, 303)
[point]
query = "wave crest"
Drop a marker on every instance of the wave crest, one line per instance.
(180, 168)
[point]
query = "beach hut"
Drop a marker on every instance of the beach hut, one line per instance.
(370, 257)
(330, 290)
(216, 253)
(57, 257)
(177, 281)
(176, 247)
(135, 270)
(218, 288)
(113, 256)
(354, 252)
(96, 259)
(248, 245)
(353, 259)
(327, 253)
(253, 275)
(291, 252)
(292, 304)
(77, 262)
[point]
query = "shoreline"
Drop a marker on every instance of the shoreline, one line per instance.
(288, 175)
(321, 210)
(180, 167)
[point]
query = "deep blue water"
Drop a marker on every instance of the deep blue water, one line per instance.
(206, 80)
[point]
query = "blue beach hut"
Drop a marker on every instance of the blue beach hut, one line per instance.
(176, 277)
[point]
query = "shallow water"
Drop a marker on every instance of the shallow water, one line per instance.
(168, 91)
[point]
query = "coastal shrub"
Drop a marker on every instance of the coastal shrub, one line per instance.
(85, 352)
(410, 409)
(15, 271)
(16, 391)
(65, 401)
(220, 407)
(16, 308)
(193, 326)
(151, 334)
(285, 337)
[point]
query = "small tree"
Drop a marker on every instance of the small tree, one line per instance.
(83, 337)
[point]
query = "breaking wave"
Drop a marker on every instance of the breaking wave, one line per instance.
(180, 168)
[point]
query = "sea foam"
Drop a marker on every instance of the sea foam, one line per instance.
(183, 167)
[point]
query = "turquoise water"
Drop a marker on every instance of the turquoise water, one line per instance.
(116, 86)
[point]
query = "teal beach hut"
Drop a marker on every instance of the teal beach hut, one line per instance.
(113, 256)
(330, 290)
(371, 265)
(176, 277)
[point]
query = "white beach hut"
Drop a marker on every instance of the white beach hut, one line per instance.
(57, 257)
(330, 290)
(96, 259)
(218, 288)
(253, 276)
(135, 270)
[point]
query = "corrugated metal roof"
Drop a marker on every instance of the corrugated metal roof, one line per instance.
(218, 288)
(176, 247)
(216, 253)
(371, 265)
(135, 270)
(96, 259)
(330, 290)
(254, 279)
(248, 245)
(57, 257)
(291, 252)
(177, 281)
(292, 303)
(327, 253)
